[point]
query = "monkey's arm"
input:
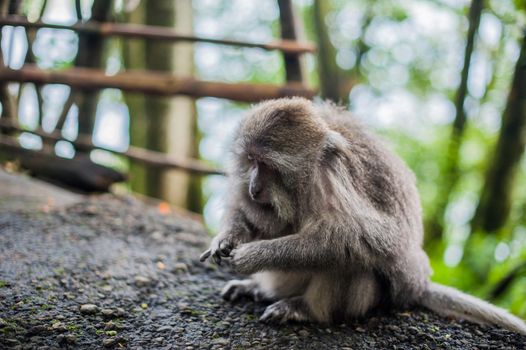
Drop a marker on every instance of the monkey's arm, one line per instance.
(237, 231)
(317, 246)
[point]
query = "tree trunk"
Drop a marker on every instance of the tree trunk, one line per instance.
(435, 226)
(134, 58)
(332, 77)
(162, 123)
(90, 54)
(335, 82)
(294, 64)
(496, 197)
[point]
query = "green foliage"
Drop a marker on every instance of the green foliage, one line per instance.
(520, 4)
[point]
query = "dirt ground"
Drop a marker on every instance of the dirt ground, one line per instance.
(113, 272)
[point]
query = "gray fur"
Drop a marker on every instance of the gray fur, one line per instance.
(339, 232)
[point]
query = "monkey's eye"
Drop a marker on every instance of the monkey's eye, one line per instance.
(249, 157)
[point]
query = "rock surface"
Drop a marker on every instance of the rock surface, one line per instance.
(111, 272)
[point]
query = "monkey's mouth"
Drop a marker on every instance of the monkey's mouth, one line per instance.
(267, 206)
(262, 203)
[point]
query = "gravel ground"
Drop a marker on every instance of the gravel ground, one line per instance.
(112, 272)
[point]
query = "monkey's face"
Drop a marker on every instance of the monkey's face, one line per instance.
(276, 146)
(265, 185)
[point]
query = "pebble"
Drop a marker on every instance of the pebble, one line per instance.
(393, 328)
(303, 333)
(401, 337)
(90, 210)
(221, 341)
(107, 312)
(158, 236)
(413, 329)
(37, 330)
(141, 281)
(180, 268)
(179, 329)
(66, 339)
(164, 329)
(11, 341)
(119, 312)
(109, 342)
(89, 309)
(58, 327)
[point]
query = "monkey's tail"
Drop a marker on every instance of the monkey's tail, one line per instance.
(448, 301)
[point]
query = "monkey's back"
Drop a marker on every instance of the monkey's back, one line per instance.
(390, 186)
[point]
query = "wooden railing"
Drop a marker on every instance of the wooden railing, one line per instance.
(157, 33)
(154, 83)
(149, 82)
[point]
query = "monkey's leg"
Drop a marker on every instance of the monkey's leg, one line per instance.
(236, 289)
(363, 295)
(278, 285)
(292, 309)
(326, 296)
(335, 297)
(267, 286)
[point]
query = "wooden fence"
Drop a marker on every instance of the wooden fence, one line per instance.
(156, 83)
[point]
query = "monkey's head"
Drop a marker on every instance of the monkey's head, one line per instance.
(276, 147)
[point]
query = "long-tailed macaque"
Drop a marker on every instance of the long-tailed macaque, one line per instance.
(327, 222)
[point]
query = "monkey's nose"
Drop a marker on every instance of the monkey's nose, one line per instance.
(254, 192)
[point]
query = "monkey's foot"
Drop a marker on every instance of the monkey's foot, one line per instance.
(236, 289)
(293, 309)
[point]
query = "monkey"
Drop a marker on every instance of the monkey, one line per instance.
(327, 222)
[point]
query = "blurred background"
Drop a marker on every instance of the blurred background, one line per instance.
(444, 81)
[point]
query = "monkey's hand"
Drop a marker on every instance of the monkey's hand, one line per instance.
(244, 259)
(221, 247)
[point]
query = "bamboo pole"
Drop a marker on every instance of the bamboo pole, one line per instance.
(158, 33)
(154, 83)
(152, 158)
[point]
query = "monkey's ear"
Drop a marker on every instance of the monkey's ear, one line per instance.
(335, 142)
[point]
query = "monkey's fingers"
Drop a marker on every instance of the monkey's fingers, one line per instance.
(205, 255)
(224, 249)
(217, 259)
(231, 292)
(270, 316)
